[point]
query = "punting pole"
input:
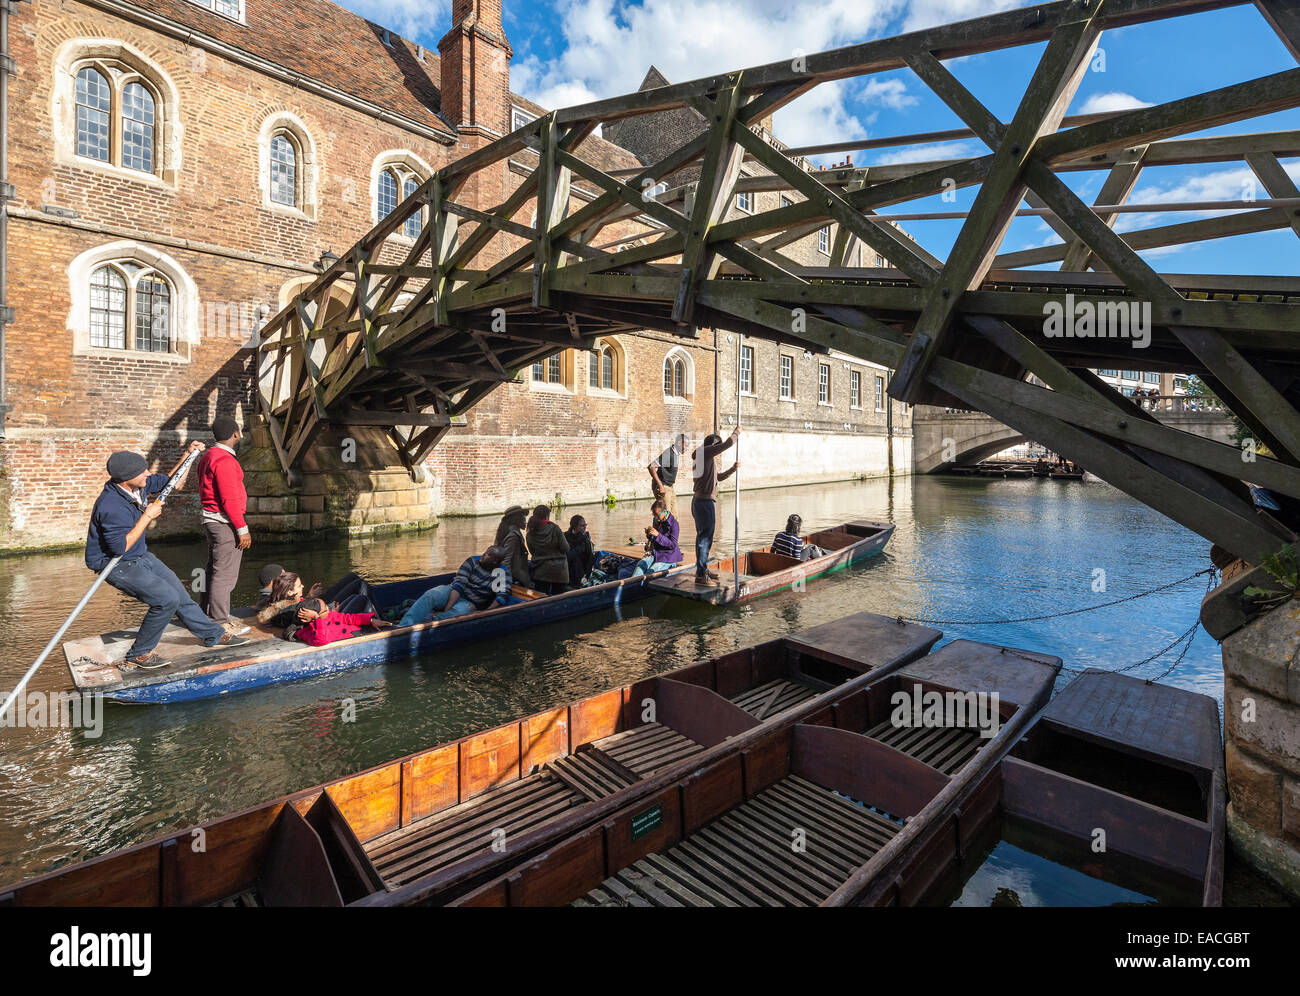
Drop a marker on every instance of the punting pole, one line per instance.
(735, 552)
(163, 495)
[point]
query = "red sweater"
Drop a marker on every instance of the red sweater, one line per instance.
(221, 485)
(335, 626)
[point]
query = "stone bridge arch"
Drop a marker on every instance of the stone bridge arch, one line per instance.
(967, 437)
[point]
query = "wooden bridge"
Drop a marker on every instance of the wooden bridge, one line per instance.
(407, 334)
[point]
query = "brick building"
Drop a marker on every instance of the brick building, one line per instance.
(181, 168)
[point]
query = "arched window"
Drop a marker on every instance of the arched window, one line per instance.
(284, 170)
(397, 175)
(679, 375)
(137, 128)
(124, 295)
(117, 116)
(605, 367)
(94, 105)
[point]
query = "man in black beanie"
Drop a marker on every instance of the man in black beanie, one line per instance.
(117, 527)
(221, 490)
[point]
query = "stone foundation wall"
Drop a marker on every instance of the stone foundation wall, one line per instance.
(1261, 704)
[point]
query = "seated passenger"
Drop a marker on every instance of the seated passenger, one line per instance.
(481, 583)
(550, 550)
(349, 594)
(327, 626)
(663, 552)
(266, 578)
(582, 554)
(790, 544)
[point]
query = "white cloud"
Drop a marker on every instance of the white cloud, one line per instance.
(1105, 103)
(922, 153)
(609, 45)
(928, 13)
(414, 19)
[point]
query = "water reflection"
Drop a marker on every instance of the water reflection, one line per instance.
(965, 549)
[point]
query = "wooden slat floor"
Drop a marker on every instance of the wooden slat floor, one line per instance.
(947, 749)
(747, 857)
(419, 848)
(648, 748)
(425, 846)
(774, 697)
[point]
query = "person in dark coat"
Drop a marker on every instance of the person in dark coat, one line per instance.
(582, 553)
(510, 537)
(550, 550)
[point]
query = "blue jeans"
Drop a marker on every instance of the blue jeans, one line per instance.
(648, 565)
(705, 513)
(152, 582)
(435, 601)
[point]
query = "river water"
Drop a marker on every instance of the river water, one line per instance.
(965, 549)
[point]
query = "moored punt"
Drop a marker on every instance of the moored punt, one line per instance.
(1142, 763)
(763, 572)
(195, 672)
(808, 811)
(428, 827)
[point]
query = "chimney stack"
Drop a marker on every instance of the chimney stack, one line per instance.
(476, 67)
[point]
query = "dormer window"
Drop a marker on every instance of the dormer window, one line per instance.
(233, 9)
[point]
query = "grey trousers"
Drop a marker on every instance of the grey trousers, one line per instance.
(224, 557)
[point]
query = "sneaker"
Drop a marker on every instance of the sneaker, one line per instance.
(234, 629)
(229, 640)
(712, 575)
(148, 661)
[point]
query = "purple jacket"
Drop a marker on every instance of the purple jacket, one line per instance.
(664, 547)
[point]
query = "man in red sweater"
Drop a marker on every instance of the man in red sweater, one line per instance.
(221, 489)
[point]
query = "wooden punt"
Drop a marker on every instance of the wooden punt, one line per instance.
(795, 816)
(763, 572)
(96, 663)
(428, 827)
(1142, 762)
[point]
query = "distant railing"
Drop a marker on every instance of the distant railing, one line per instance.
(1180, 403)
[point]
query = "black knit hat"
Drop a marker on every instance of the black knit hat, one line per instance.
(269, 573)
(223, 427)
(124, 465)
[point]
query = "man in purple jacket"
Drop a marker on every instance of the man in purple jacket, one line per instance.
(661, 539)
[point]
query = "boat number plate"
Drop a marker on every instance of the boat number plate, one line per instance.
(643, 823)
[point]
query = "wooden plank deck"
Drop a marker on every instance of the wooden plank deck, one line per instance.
(745, 858)
(948, 749)
(1158, 721)
(863, 641)
(98, 660)
(775, 697)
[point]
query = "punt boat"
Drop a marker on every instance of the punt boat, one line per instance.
(429, 827)
(814, 811)
(96, 663)
(1119, 784)
(196, 672)
(762, 572)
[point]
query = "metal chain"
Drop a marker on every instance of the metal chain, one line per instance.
(1055, 615)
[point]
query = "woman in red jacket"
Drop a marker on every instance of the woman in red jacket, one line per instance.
(330, 625)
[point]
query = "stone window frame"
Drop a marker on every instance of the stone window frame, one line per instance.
(829, 401)
(292, 127)
(121, 64)
(403, 164)
(615, 348)
(855, 389)
(881, 386)
(184, 301)
(675, 355)
(567, 382)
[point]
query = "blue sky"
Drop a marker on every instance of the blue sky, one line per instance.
(571, 51)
